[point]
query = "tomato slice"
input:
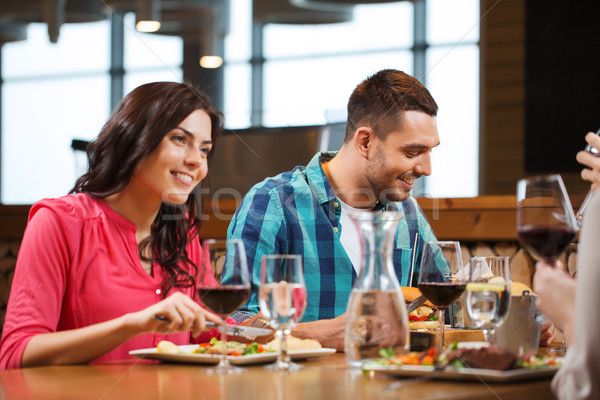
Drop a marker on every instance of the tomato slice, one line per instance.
(417, 318)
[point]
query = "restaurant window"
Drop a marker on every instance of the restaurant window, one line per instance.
(46, 102)
(310, 71)
(53, 93)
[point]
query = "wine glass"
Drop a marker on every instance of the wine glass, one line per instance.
(488, 293)
(224, 299)
(442, 278)
(545, 220)
(282, 300)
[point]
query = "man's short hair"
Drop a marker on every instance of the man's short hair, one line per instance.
(380, 101)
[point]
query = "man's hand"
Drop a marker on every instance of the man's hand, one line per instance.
(548, 334)
(329, 332)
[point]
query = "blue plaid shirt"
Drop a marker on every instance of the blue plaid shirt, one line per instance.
(296, 212)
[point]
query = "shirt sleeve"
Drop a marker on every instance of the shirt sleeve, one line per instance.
(38, 285)
(578, 376)
(258, 222)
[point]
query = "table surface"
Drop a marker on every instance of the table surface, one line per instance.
(324, 378)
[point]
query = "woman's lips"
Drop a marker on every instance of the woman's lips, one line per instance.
(186, 179)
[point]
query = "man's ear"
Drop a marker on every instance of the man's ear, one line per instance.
(363, 139)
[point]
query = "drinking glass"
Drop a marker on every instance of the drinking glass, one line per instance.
(225, 299)
(282, 300)
(488, 293)
(545, 219)
(442, 278)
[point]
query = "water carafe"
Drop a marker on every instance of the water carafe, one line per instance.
(376, 316)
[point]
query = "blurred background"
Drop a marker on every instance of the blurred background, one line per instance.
(515, 80)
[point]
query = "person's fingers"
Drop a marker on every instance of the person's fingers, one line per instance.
(593, 139)
(212, 317)
(548, 333)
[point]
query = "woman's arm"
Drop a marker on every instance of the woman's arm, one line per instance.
(85, 344)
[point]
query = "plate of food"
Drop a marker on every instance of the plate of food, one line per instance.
(466, 363)
(208, 353)
(302, 349)
(238, 353)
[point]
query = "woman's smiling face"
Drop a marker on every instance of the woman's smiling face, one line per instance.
(179, 162)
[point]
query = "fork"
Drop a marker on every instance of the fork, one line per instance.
(422, 378)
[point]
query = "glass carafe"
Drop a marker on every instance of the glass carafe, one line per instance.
(376, 316)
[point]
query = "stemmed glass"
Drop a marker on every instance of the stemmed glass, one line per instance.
(441, 278)
(488, 293)
(282, 300)
(225, 299)
(546, 223)
(545, 220)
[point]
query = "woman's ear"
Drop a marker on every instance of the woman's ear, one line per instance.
(363, 141)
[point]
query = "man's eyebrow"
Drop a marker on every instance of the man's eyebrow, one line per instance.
(191, 135)
(418, 146)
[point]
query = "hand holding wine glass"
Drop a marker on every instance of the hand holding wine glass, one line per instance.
(282, 300)
(488, 293)
(545, 219)
(442, 278)
(225, 299)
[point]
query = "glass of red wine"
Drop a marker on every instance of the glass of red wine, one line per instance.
(546, 223)
(442, 277)
(225, 299)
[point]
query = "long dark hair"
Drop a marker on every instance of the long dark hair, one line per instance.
(135, 130)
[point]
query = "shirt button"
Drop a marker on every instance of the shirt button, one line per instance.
(158, 291)
(336, 204)
(335, 229)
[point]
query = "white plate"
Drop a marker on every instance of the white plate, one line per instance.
(466, 374)
(186, 356)
(298, 355)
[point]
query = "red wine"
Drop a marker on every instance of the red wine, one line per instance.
(442, 294)
(545, 242)
(224, 299)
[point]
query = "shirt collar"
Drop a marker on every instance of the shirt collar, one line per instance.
(317, 180)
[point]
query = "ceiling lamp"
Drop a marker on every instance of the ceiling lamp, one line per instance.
(201, 22)
(282, 12)
(147, 16)
(328, 5)
(52, 12)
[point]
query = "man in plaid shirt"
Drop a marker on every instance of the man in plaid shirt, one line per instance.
(390, 132)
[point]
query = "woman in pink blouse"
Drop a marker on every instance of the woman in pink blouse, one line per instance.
(96, 265)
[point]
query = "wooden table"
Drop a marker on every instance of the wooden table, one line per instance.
(325, 378)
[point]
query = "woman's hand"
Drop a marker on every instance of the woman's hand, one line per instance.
(555, 290)
(592, 173)
(181, 313)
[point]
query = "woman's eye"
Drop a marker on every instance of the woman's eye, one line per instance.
(205, 150)
(179, 138)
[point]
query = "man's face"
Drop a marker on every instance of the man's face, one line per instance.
(396, 162)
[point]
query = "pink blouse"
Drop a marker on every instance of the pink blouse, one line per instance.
(78, 265)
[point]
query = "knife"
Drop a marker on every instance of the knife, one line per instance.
(416, 303)
(232, 330)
